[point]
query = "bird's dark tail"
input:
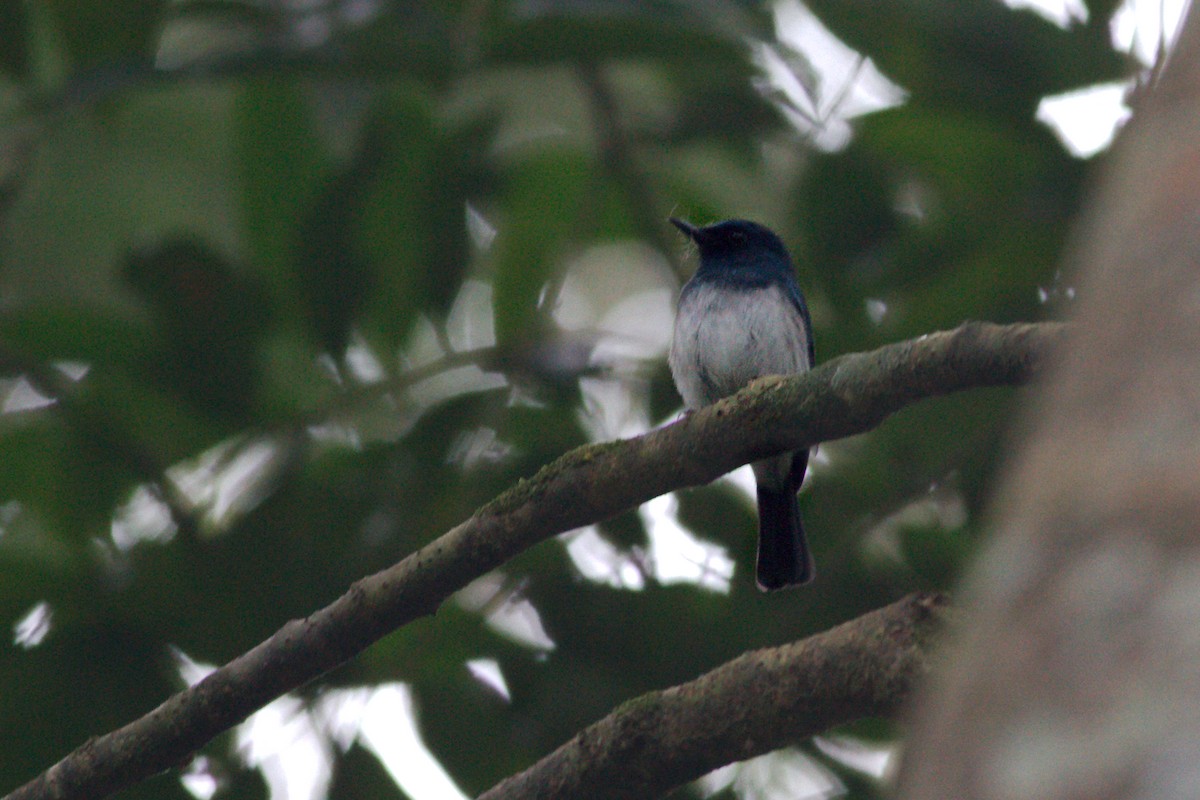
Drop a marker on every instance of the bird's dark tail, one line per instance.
(783, 557)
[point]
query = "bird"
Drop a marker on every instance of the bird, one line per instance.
(741, 316)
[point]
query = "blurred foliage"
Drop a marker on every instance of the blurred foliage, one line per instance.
(287, 290)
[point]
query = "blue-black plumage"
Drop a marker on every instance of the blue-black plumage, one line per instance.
(740, 317)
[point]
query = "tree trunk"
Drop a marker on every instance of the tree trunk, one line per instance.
(1076, 672)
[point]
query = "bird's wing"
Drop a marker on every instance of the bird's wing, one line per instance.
(796, 297)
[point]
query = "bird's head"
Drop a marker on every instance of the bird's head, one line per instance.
(736, 244)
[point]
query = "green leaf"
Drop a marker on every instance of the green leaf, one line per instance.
(358, 773)
(546, 205)
(83, 679)
(333, 273)
(209, 320)
(14, 38)
(70, 475)
(413, 224)
(120, 32)
(49, 332)
(280, 161)
(611, 31)
(973, 53)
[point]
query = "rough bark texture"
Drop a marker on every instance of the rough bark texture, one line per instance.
(848, 395)
(1078, 671)
(759, 702)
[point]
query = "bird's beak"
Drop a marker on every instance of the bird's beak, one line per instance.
(689, 230)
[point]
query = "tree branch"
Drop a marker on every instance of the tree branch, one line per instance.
(847, 395)
(759, 702)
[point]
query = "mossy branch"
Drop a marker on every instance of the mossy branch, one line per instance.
(846, 396)
(760, 701)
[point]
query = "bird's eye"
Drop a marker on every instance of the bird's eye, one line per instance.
(737, 237)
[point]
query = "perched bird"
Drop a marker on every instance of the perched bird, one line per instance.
(740, 317)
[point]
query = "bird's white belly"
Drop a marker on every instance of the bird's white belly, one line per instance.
(725, 338)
